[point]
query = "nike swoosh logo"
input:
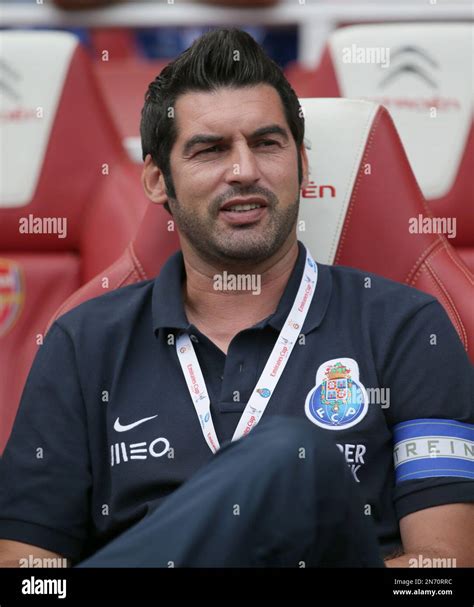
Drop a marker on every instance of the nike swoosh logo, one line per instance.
(119, 428)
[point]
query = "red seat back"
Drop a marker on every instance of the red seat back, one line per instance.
(69, 200)
(422, 73)
(355, 211)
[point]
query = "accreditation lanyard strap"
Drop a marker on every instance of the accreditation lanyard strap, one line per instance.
(271, 374)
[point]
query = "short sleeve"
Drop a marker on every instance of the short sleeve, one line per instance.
(431, 412)
(45, 475)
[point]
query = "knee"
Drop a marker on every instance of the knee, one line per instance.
(285, 438)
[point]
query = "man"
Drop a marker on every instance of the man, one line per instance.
(209, 419)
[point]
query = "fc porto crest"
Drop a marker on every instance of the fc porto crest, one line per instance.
(338, 400)
(11, 294)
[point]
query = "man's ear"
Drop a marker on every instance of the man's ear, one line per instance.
(153, 182)
(304, 166)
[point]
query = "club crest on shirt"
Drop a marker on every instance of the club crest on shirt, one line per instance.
(338, 400)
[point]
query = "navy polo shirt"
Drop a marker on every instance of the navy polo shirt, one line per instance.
(106, 427)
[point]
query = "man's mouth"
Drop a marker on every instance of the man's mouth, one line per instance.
(240, 211)
(239, 208)
(244, 204)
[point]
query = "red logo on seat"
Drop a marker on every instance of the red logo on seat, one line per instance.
(11, 294)
(312, 190)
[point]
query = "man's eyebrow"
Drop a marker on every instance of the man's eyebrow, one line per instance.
(201, 138)
(271, 129)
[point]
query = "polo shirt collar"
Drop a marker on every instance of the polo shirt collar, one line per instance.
(167, 299)
(168, 307)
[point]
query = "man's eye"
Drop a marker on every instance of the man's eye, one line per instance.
(267, 143)
(214, 148)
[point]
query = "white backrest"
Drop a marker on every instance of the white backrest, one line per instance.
(33, 67)
(336, 132)
(423, 74)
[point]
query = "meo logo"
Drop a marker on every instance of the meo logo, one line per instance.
(123, 452)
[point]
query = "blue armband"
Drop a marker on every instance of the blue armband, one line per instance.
(425, 448)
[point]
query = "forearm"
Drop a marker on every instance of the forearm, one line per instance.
(19, 554)
(426, 558)
(8, 561)
(400, 561)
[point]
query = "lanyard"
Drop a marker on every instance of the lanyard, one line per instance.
(271, 374)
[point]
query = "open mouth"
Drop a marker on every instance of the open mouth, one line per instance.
(241, 212)
(241, 208)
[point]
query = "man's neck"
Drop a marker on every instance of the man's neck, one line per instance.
(221, 314)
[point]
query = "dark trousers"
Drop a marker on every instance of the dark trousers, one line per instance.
(282, 496)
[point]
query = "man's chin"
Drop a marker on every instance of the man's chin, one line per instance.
(245, 250)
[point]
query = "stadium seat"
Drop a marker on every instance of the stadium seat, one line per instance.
(428, 88)
(355, 211)
(69, 200)
(110, 45)
(154, 242)
(123, 85)
(363, 207)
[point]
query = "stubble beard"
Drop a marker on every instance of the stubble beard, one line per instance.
(252, 243)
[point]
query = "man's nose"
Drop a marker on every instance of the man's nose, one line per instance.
(244, 166)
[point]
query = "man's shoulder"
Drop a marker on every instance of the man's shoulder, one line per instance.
(370, 287)
(378, 302)
(115, 308)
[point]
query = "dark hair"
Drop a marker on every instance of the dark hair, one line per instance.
(219, 58)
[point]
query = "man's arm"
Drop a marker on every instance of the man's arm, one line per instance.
(45, 470)
(440, 532)
(11, 552)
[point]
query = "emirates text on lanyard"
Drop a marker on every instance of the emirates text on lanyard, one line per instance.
(271, 374)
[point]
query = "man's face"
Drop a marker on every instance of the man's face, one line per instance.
(233, 147)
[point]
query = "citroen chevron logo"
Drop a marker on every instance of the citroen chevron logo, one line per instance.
(412, 60)
(7, 75)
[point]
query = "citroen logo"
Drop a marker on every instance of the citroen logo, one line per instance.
(411, 60)
(8, 79)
